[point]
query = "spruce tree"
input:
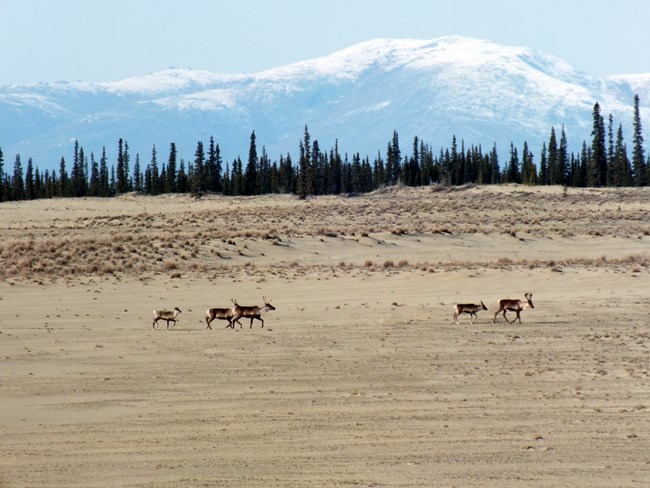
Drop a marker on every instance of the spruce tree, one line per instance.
(211, 166)
(393, 160)
(495, 173)
(250, 179)
(137, 175)
(264, 182)
(620, 168)
(182, 183)
(513, 174)
(93, 184)
(2, 171)
(63, 180)
(610, 148)
(171, 176)
(104, 179)
(305, 182)
(555, 177)
(153, 172)
(18, 186)
(113, 183)
(639, 168)
(543, 167)
(122, 184)
(597, 175)
(562, 158)
(126, 176)
(316, 168)
(528, 169)
(39, 184)
(198, 186)
(30, 193)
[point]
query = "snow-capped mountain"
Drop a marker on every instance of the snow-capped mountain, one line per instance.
(479, 91)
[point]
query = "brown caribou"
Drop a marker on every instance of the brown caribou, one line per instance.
(470, 308)
(511, 305)
(250, 311)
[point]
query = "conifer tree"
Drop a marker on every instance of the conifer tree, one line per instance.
(127, 172)
(197, 185)
(76, 173)
(112, 191)
(426, 164)
(182, 184)
(63, 179)
(237, 178)
(104, 179)
(275, 178)
(50, 184)
(543, 167)
(212, 174)
(78, 177)
(513, 175)
(317, 168)
(122, 172)
(264, 180)
(39, 184)
(225, 181)
(286, 180)
(528, 169)
(620, 171)
(120, 166)
(137, 175)
(153, 172)
(2, 172)
(555, 176)
(494, 164)
(562, 157)
(334, 175)
(393, 160)
(305, 182)
(171, 176)
(250, 179)
(597, 175)
(639, 168)
(610, 148)
(30, 194)
(18, 183)
(93, 184)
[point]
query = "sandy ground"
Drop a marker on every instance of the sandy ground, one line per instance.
(359, 377)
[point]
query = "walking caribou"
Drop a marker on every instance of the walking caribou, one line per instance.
(511, 305)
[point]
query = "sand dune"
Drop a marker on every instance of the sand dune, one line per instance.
(359, 378)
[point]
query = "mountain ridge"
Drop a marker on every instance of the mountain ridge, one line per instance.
(479, 91)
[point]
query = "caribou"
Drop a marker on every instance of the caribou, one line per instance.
(511, 305)
(252, 312)
(470, 308)
(221, 314)
(169, 316)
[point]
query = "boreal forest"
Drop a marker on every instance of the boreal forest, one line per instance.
(603, 160)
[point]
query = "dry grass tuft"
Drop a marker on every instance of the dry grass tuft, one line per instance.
(206, 237)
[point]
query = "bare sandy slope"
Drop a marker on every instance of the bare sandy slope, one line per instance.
(359, 378)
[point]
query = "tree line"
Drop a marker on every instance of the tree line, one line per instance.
(602, 162)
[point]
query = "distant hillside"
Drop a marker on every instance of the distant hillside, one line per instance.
(482, 92)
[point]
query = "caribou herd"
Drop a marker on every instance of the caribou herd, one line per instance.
(505, 305)
(235, 312)
(230, 314)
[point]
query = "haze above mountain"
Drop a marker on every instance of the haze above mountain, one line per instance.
(481, 92)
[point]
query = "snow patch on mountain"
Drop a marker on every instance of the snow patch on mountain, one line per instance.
(480, 91)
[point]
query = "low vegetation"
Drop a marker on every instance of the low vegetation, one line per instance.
(231, 236)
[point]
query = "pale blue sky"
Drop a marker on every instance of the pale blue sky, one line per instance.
(102, 40)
